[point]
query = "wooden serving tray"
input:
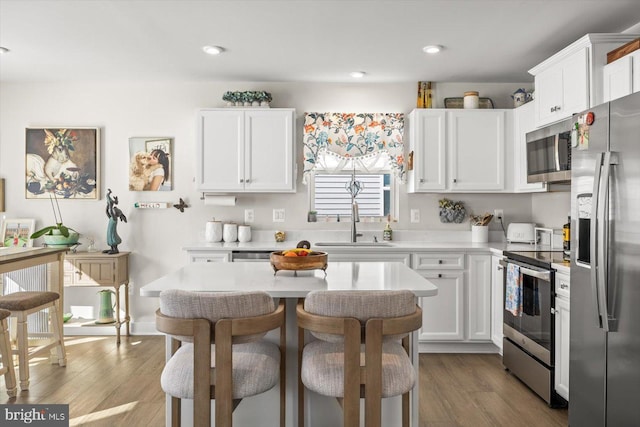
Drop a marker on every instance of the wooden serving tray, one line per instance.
(315, 260)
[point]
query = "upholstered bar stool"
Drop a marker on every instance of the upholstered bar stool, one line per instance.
(361, 350)
(5, 353)
(21, 305)
(218, 351)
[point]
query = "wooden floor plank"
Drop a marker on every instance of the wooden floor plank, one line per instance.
(110, 386)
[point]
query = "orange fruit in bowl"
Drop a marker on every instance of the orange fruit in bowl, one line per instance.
(289, 253)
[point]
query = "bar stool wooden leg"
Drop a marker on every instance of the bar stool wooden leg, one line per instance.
(7, 360)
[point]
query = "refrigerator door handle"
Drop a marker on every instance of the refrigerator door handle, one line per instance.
(603, 237)
(593, 244)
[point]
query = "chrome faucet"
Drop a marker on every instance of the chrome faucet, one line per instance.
(355, 217)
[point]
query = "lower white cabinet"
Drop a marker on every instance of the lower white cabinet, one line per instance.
(461, 312)
(209, 256)
(479, 298)
(443, 315)
(497, 301)
(562, 311)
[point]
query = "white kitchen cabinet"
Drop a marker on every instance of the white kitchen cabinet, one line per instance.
(572, 80)
(209, 256)
(523, 122)
(477, 146)
(376, 256)
(246, 150)
(479, 298)
(561, 313)
(563, 89)
(427, 140)
(622, 76)
(443, 315)
(457, 150)
(497, 301)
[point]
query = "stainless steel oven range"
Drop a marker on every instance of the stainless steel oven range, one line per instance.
(529, 335)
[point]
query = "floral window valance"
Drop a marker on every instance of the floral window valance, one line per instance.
(354, 136)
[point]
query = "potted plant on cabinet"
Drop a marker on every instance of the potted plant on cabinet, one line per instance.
(58, 234)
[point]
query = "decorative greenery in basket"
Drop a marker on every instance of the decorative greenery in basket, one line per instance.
(247, 98)
(452, 211)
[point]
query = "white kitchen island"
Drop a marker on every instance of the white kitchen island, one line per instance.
(320, 411)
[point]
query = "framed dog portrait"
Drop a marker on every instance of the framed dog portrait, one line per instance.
(150, 164)
(64, 161)
(16, 232)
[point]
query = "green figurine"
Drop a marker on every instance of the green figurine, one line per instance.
(114, 213)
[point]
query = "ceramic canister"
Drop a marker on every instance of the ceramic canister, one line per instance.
(471, 99)
(244, 233)
(230, 232)
(213, 231)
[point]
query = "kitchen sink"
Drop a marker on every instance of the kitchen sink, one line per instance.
(359, 244)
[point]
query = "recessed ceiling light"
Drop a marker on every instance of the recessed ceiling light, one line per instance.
(213, 50)
(357, 74)
(4, 50)
(433, 48)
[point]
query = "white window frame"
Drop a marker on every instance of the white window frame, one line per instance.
(393, 189)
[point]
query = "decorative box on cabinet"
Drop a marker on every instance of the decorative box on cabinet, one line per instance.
(246, 150)
(572, 80)
(85, 269)
(458, 150)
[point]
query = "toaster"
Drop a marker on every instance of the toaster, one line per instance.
(521, 232)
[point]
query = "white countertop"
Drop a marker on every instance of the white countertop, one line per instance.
(227, 276)
(393, 246)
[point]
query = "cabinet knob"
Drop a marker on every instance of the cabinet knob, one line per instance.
(455, 180)
(439, 261)
(241, 180)
(499, 267)
(247, 181)
(421, 180)
(439, 274)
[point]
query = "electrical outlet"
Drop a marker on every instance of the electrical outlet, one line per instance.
(248, 215)
(278, 215)
(415, 215)
(499, 214)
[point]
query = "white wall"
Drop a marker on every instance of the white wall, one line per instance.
(124, 110)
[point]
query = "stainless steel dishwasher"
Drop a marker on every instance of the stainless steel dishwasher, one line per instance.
(250, 256)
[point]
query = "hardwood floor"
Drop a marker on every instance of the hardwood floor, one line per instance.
(112, 386)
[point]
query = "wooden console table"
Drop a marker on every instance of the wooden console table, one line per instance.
(84, 269)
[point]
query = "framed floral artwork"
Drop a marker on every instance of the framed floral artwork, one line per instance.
(16, 232)
(64, 161)
(150, 164)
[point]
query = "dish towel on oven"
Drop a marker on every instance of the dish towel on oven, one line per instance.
(513, 290)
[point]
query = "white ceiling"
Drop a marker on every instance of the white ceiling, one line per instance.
(294, 40)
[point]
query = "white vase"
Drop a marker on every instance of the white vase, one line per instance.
(244, 233)
(479, 233)
(213, 231)
(230, 232)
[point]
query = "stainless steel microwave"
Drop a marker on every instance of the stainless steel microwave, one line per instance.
(549, 153)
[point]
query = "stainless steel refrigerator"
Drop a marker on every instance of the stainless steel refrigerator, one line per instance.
(604, 369)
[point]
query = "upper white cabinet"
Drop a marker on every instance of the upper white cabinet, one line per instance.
(622, 77)
(523, 122)
(246, 150)
(457, 150)
(571, 80)
(427, 140)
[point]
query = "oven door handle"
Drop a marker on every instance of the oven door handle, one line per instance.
(544, 275)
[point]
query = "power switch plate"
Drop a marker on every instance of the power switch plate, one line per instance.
(498, 213)
(415, 215)
(278, 215)
(248, 215)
